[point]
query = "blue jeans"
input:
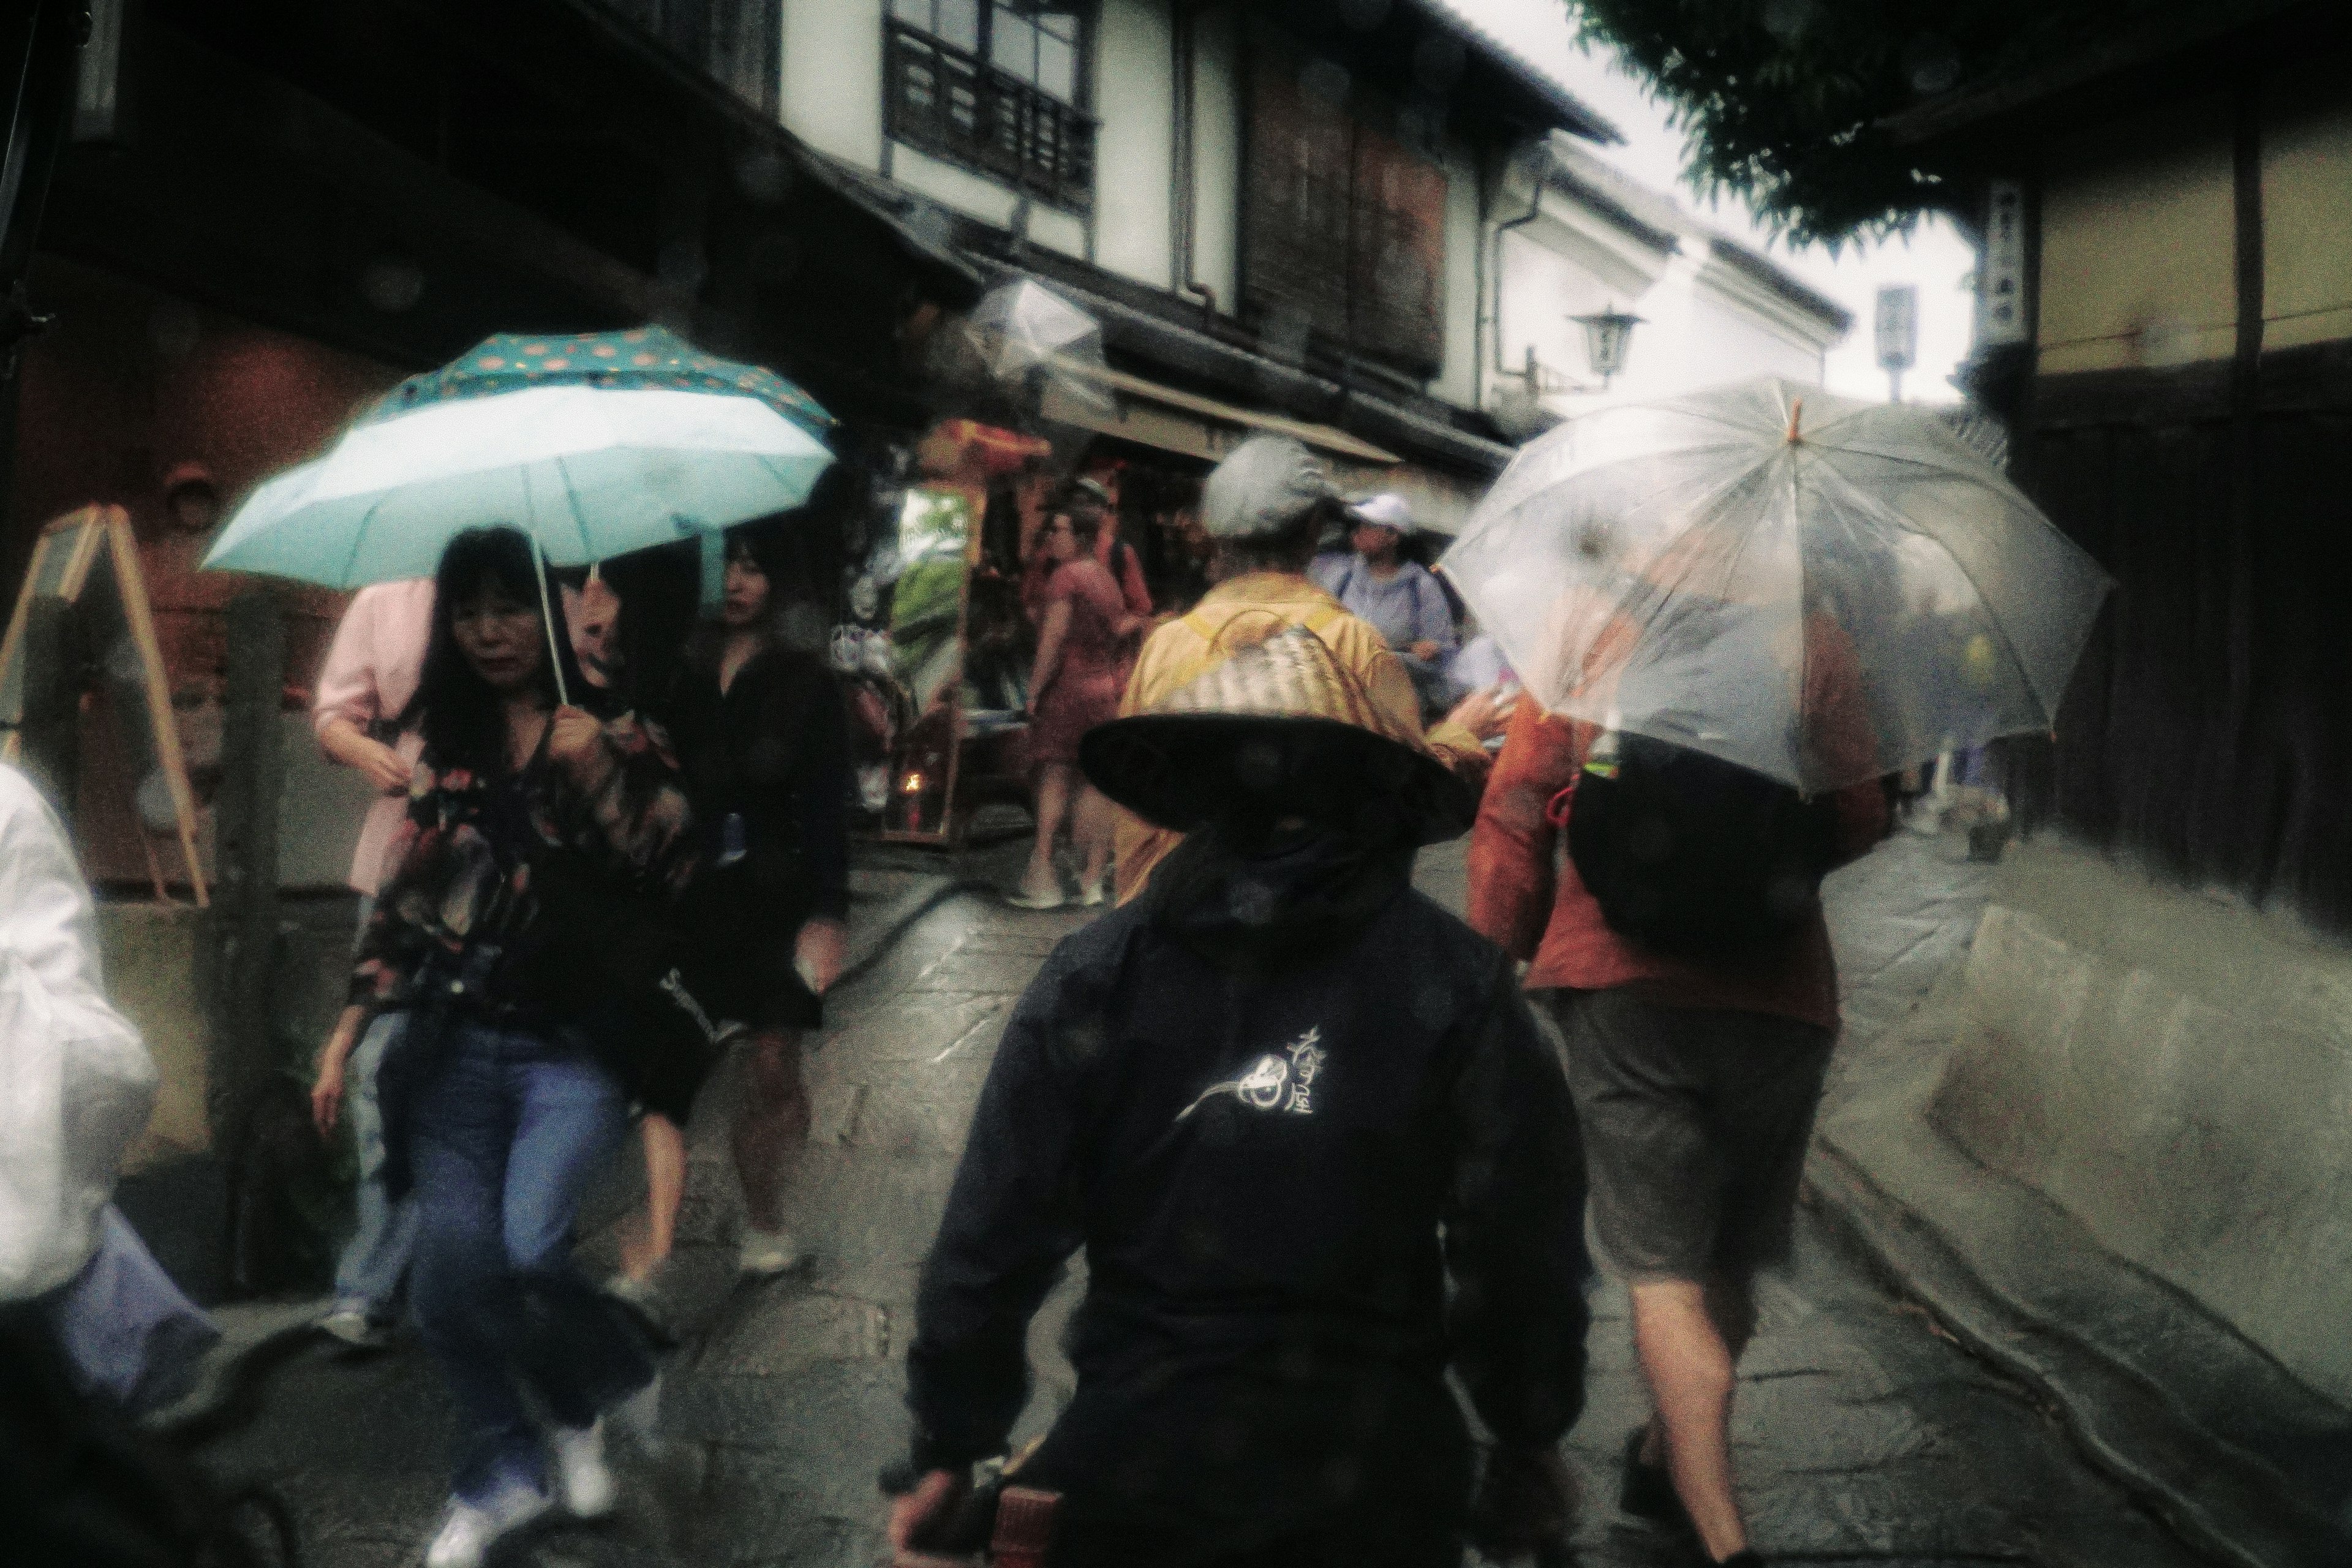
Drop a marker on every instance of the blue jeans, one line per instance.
(504, 1136)
(126, 1329)
(368, 1276)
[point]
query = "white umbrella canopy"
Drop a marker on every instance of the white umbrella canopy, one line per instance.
(588, 472)
(1819, 589)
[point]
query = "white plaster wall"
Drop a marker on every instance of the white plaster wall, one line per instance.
(831, 94)
(1217, 67)
(1693, 333)
(2307, 214)
(1135, 151)
(1549, 274)
(953, 186)
(1057, 230)
(1696, 338)
(2137, 241)
(1457, 380)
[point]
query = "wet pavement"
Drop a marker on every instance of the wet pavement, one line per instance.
(1862, 1434)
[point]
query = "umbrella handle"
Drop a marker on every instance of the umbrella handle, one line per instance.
(547, 620)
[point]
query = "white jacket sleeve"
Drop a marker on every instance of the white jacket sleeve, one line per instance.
(77, 1084)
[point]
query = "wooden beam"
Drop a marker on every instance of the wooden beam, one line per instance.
(242, 934)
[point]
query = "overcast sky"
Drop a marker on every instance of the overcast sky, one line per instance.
(1935, 257)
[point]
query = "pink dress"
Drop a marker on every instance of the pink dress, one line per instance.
(1092, 673)
(372, 670)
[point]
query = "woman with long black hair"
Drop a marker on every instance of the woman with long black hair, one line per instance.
(497, 1102)
(764, 739)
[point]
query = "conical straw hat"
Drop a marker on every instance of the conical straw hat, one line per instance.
(1277, 728)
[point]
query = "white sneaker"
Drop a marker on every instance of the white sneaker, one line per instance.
(468, 1530)
(627, 1287)
(356, 1329)
(583, 1479)
(765, 1254)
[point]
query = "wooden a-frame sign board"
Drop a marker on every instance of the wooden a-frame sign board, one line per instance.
(96, 543)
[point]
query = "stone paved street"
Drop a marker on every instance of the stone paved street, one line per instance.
(1862, 1434)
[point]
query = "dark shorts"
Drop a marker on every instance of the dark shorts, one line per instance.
(1695, 1123)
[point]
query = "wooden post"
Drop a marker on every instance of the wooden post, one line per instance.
(243, 937)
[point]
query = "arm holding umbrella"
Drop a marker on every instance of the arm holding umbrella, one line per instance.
(1514, 847)
(1841, 734)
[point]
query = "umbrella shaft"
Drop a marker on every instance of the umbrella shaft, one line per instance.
(547, 619)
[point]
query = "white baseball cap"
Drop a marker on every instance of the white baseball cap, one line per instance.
(1386, 509)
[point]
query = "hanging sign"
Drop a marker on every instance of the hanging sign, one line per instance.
(2001, 277)
(1898, 326)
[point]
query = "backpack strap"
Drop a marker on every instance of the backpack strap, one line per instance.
(1317, 619)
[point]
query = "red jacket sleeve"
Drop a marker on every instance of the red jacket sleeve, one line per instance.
(1842, 732)
(1513, 847)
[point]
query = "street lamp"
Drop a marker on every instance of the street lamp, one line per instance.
(1607, 336)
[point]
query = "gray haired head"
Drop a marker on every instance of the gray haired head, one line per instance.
(1262, 489)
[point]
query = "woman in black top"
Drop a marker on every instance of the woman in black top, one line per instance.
(763, 739)
(499, 1094)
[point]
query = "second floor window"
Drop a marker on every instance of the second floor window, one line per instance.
(996, 85)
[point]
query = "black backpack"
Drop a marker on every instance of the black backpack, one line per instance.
(1692, 856)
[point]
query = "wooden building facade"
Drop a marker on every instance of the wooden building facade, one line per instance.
(2181, 402)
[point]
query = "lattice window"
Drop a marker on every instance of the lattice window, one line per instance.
(996, 85)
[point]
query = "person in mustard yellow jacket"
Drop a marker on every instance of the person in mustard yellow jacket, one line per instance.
(1264, 507)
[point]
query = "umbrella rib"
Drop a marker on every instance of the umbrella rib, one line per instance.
(2000, 629)
(359, 537)
(2017, 662)
(1804, 638)
(578, 518)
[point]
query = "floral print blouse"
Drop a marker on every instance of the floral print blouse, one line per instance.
(460, 901)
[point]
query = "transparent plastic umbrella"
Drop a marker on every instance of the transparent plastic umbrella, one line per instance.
(1024, 324)
(1819, 589)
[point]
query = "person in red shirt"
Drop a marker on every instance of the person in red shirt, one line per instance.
(1115, 554)
(1695, 1081)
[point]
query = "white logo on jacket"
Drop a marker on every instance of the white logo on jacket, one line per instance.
(1282, 1083)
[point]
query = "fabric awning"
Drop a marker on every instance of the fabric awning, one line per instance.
(1134, 409)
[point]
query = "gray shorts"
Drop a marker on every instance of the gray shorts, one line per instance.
(1695, 1123)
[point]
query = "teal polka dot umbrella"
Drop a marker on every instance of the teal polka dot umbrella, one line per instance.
(641, 358)
(595, 446)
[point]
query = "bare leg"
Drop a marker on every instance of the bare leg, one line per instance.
(1732, 1305)
(1689, 1366)
(1095, 823)
(772, 1124)
(665, 1144)
(1053, 780)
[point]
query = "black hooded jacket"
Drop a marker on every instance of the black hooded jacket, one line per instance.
(1275, 1155)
